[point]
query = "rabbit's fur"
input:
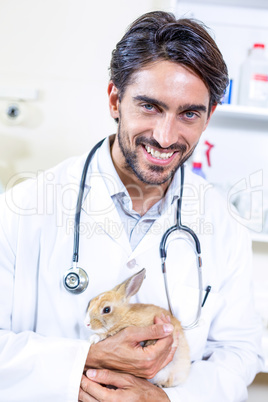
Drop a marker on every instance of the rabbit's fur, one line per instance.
(110, 312)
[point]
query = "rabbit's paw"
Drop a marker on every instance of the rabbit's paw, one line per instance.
(94, 339)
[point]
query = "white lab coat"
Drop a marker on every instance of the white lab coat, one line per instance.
(43, 341)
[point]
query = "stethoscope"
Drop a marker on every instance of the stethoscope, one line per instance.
(197, 248)
(76, 280)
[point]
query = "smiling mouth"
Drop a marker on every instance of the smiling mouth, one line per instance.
(158, 155)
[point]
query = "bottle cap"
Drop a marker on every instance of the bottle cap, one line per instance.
(259, 45)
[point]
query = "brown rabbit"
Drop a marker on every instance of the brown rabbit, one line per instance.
(110, 312)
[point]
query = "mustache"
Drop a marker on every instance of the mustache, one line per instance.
(151, 142)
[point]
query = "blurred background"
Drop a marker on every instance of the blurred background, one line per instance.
(53, 101)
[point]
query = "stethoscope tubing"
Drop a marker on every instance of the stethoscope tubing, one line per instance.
(163, 255)
(80, 200)
(76, 280)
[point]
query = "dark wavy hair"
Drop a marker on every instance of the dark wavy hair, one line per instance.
(158, 36)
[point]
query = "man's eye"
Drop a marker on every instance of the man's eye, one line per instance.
(149, 107)
(190, 115)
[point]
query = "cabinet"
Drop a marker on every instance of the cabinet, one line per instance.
(229, 124)
(251, 121)
(243, 112)
(238, 3)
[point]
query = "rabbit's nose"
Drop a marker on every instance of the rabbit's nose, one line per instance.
(87, 321)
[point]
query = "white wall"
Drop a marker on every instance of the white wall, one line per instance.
(61, 48)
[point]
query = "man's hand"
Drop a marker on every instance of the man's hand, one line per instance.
(127, 388)
(123, 352)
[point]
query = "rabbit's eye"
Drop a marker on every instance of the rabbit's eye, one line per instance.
(106, 310)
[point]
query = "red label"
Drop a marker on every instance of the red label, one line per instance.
(260, 77)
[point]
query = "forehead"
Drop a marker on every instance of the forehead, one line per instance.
(170, 81)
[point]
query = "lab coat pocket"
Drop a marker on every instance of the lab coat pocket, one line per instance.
(186, 311)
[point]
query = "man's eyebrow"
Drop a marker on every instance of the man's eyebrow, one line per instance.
(189, 106)
(185, 107)
(152, 101)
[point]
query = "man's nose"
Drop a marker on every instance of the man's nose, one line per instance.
(166, 131)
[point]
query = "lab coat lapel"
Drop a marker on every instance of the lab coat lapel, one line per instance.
(100, 207)
(97, 203)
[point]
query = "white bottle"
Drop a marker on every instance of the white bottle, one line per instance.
(253, 89)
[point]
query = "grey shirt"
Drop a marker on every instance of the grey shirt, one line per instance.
(135, 225)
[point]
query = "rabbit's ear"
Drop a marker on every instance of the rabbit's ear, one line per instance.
(131, 286)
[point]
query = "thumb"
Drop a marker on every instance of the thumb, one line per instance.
(108, 377)
(155, 331)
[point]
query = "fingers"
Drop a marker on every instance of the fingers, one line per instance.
(166, 319)
(155, 331)
(146, 362)
(172, 351)
(126, 388)
(108, 377)
(163, 319)
(84, 396)
(91, 390)
(124, 352)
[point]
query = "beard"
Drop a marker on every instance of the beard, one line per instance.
(153, 174)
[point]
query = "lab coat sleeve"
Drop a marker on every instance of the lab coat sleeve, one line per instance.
(232, 356)
(32, 367)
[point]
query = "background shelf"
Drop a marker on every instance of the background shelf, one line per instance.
(260, 238)
(242, 112)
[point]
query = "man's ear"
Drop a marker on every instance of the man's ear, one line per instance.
(113, 95)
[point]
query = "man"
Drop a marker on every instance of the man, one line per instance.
(167, 77)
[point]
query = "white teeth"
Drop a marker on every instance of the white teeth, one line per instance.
(157, 154)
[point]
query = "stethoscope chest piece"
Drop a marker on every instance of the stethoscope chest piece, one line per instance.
(75, 280)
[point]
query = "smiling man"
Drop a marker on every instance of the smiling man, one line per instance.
(167, 77)
(161, 116)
